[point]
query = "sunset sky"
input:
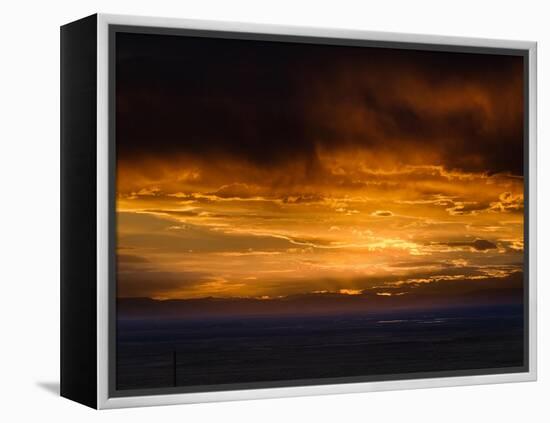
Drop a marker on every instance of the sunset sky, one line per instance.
(266, 170)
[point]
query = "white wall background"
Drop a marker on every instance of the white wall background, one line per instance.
(29, 207)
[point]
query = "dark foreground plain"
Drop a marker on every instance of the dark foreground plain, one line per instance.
(163, 353)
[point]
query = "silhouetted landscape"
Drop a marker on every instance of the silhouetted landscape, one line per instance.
(454, 294)
(154, 353)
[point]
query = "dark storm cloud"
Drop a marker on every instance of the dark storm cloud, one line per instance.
(130, 258)
(478, 244)
(150, 283)
(268, 103)
(206, 97)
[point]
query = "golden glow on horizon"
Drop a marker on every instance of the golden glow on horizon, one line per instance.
(190, 228)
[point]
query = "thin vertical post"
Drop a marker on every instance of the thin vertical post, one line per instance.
(175, 355)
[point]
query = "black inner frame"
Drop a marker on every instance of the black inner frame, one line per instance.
(112, 291)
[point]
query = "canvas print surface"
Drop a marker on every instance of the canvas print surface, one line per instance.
(292, 213)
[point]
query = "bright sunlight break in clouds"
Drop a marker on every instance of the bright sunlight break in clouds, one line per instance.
(269, 170)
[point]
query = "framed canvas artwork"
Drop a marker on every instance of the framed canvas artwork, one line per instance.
(253, 211)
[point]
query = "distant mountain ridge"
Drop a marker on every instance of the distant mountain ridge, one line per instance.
(449, 294)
